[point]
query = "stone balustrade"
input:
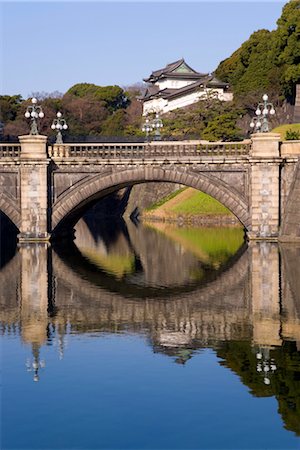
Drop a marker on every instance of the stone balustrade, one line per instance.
(10, 150)
(164, 150)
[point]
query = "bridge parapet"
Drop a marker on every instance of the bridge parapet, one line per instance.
(10, 150)
(164, 150)
(290, 148)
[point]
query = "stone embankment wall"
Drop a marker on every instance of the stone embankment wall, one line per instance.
(144, 195)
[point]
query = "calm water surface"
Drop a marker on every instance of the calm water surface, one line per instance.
(150, 338)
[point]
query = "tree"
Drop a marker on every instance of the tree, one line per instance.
(268, 60)
(112, 96)
(9, 107)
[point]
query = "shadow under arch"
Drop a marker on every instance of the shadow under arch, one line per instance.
(76, 200)
(8, 239)
(10, 210)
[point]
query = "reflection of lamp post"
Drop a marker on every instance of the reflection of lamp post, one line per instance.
(34, 112)
(59, 124)
(265, 365)
(35, 364)
(260, 124)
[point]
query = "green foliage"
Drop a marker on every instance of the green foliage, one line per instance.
(223, 128)
(9, 107)
(113, 97)
(267, 61)
(89, 110)
(282, 129)
(114, 124)
(208, 119)
(292, 135)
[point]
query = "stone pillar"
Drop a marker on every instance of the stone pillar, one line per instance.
(264, 186)
(34, 189)
(265, 293)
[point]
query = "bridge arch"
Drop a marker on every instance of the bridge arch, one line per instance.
(77, 198)
(10, 209)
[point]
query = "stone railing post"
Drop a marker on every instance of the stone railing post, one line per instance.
(264, 186)
(34, 189)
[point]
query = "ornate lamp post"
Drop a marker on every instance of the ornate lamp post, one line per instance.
(34, 112)
(147, 128)
(157, 124)
(153, 125)
(59, 124)
(260, 123)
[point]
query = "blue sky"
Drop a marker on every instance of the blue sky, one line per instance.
(48, 46)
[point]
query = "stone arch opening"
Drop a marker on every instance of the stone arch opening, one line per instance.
(9, 210)
(77, 199)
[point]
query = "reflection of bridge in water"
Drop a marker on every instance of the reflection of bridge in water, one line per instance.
(252, 305)
(256, 299)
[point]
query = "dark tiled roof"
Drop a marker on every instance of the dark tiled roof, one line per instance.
(169, 71)
(205, 82)
(151, 91)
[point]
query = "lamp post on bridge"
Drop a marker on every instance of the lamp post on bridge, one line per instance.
(260, 123)
(147, 128)
(59, 124)
(153, 125)
(157, 124)
(34, 112)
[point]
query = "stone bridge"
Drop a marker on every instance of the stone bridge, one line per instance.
(44, 190)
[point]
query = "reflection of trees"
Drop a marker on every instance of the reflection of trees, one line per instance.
(285, 381)
(145, 258)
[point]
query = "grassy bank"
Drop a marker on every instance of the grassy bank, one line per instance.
(282, 129)
(186, 203)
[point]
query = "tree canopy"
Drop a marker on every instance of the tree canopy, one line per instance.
(268, 60)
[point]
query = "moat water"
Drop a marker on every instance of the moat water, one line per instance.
(150, 337)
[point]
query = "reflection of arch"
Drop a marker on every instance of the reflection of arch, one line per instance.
(10, 209)
(77, 198)
(75, 271)
(9, 291)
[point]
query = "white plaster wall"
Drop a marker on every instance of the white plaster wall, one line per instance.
(172, 84)
(157, 104)
(181, 102)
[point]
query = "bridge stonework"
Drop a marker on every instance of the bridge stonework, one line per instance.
(45, 190)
